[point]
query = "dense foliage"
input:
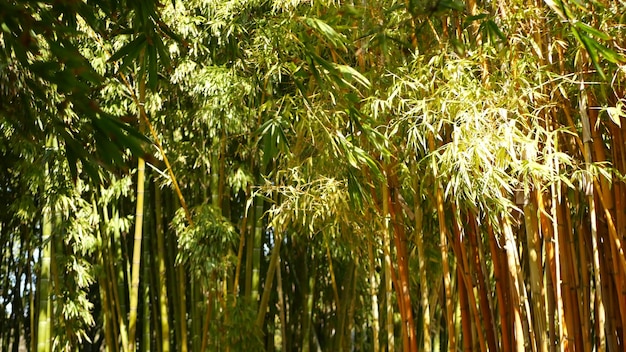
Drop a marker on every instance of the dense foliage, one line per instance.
(289, 175)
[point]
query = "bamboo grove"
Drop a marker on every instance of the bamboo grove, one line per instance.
(328, 175)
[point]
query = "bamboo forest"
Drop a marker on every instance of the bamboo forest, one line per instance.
(313, 175)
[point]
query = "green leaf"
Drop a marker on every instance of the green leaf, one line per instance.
(132, 48)
(163, 54)
(328, 32)
(595, 32)
(610, 55)
(556, 6)
(350, 74)
(153, 75)
(493, 30)
(469, 19)
(356, 191)
(591, 47)
(451, 4)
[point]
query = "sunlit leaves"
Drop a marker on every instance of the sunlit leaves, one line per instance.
(312, 206)
(327, 32)
(616, 113)
(588, 36)
(207, 246)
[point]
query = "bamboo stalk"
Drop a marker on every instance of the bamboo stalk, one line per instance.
(136, 256)
(423, 279)
(466, 319)
(269, 279)
(256, 249)
(332, 275)
(182, 309)
(510, 248)
(400, 240)
(146, 338)
(44, 334)
(162, 277)
(115, 284)
(342, 314)
(585, 283)
(572, 281)
(104, 278)
(388, 270)
(281, 307)
(374, 297)
(44, 322)
(608, 290)
(466, 278)
(536, 267)
(443, 248)
(243, 231)
(486, 307)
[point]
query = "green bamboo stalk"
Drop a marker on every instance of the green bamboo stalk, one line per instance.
(162, 277)
(388, 269)
(136, 256)
(146, 339)
(269, 279)
(32, 293)
(107, 316)
(423, 278)
(44, 338)
(281, 308)
(249, 239)
(256, 253)
(182, 309)
(308, 312)
(6, 262)
(105, 294)
(44, 324)
(196, 315)
(115, 282)
(346, 297)
(374, 297)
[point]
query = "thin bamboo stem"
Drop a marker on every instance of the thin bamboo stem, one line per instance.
(388, 270)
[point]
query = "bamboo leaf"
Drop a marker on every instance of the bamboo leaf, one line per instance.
(591, 47)
(132, 48)
(615, 114)
(451, 4)
(328, 32)
(593, 31)
(152, 58)
(350, 74)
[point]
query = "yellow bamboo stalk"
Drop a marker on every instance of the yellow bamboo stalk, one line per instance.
(423, 278)
(510, 247)
(136, 256)
(560, 319)
(443, 248)
(536, 268)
